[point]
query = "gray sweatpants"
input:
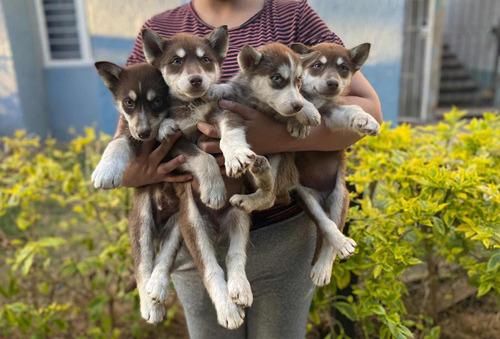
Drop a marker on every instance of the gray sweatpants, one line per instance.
(278, 268)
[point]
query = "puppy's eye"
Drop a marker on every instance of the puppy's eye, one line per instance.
(299, 81)
(176, 61)
(318, 66)
(344, 67)
(157, 103)
(129, 103)
(277, 79)
(205, 60)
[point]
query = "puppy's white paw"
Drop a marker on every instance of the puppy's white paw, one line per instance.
(108, 174)
(167, 130)
(230, 316)
(213, 194)
(240, 291)
(238, 160)
(344, 247)
(321, 273)
(364, 124)
(297, 129)
(309, 115)
(219, 91)
(158, 288)
(151, 312)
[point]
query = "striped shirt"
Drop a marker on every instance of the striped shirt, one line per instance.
(278, 21)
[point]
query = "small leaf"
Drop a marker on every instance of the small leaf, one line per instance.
(494, 261)
(346, 309)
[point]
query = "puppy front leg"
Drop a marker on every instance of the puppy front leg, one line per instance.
(204, 168)
(219, 91)
(158, 284)
(237, 222)
(354, 118)
(167, 129)
(299, 126)
(109, 171)
(233, 144)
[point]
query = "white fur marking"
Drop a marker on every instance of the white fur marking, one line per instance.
(340, 61)
(322, 59)
(181, 53)
(200, 52)
(132, 95)
(151, 95)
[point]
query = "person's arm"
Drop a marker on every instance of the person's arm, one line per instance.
(267, 136)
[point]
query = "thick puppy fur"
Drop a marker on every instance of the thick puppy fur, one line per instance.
(269, 81)
(190, 65)
(142, 98)
(324, 82)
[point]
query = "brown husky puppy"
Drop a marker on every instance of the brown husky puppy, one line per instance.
(324, 83)
(190, 65)
(269, 81)
(143, 99)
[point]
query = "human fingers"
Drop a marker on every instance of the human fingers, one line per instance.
(208, 130)
(220, 159)
(178, 177)
(161, 151)
(146, 148)
(210, 146)
(245, 112)
(171, 165)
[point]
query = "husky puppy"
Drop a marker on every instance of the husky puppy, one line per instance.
(325, 82)
(269, 81)
(190, 65)
(143, 99)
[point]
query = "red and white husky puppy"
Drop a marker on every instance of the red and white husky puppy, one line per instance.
(190, 65)
(324, 83)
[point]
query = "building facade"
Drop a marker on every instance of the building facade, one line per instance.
(48, 47)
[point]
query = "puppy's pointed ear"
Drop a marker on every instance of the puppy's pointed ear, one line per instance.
(308, 59)
(359, 54)
(248, 58)
(153, 45)
(300, 48)
(109, 72)
(219, 40)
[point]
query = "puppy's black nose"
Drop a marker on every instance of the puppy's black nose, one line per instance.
(297, 106)
(196, 81)
(144, 134)
(332, 84)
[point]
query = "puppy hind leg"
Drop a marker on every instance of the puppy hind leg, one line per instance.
(158, 284)
(142, 240)
(264, 197)
(195, 233)
(322, 269)
(238, 224)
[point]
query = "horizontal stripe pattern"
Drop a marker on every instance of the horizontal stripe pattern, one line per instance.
(279, 21)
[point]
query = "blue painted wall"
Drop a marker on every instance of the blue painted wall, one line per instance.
(380, 23)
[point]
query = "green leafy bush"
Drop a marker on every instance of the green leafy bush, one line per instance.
(426, 195)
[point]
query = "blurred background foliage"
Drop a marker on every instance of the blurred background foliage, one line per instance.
(426, 216)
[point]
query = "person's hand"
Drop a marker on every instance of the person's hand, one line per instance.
(264, 135)
(147, 168)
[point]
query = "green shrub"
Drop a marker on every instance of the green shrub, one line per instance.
(426, 195)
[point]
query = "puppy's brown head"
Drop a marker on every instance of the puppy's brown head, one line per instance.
(331, 74)
(274, 74)
(189, 64)
(140, 95)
